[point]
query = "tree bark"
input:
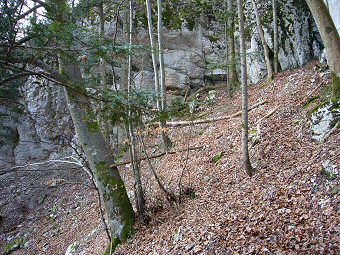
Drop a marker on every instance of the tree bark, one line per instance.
(330, 39)
(159, 84)
(104, 125)
(110, 185)
(263, 41)
(276, 41)
(233, 79)
(245, 151)
(133, 153)
(226, 48)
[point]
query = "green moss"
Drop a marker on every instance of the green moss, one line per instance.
(335, 87)
(111, 246)
(309, 101)
(115, 192)
(13, 245)
(212, 38)
(92, 123)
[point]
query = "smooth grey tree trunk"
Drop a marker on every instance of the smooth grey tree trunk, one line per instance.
(104, 125)
(245, 150)
(119, 211)
(263, 40)
(161, 56)
(160, 90)
(276, 40)
(330, 39)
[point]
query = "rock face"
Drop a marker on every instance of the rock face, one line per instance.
(41, 129)
(323, 120)
(192, 56)
(183, 59)
(299, 40)
(334, 9)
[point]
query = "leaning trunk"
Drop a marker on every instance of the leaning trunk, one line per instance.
(331, 40)
(119, 211)
(263, 41)
(245, 151)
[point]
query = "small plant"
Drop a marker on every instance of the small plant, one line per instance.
(13, 245)
(215, 159)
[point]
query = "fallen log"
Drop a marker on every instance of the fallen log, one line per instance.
(201, 121)
(157, 155)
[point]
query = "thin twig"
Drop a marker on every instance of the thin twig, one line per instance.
(170, 196)
(157, 155)
(185, 164)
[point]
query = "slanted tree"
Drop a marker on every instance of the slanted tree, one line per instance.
(263, 40)
(28, 53)
(331, 40)
(245, 150)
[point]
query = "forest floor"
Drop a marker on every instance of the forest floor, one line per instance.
(290, 206)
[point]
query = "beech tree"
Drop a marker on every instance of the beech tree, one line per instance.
(330, 39)
(245, 150)
(33, 53)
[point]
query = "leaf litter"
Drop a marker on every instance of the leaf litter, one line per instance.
(288, 207)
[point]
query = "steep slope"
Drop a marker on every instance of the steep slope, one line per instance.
(290, 206)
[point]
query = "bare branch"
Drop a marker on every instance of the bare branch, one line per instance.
(157, 155)
(28, 12)
(189, 122)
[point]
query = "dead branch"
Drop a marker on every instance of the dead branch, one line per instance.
(258, 127)
(312, 92)
(268, 114)
(156, 156)
(188, 122)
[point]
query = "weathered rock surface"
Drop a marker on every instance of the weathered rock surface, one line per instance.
(323, 120)
(40, 130)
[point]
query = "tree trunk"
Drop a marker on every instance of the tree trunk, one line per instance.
(233, 79)
(263, 41)
(330, 39)
(110, 185)
(133, 153)
(161, 56)
(276, 41)
(226, 48)
(159, 84)
(245, 151)
(104, 125)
